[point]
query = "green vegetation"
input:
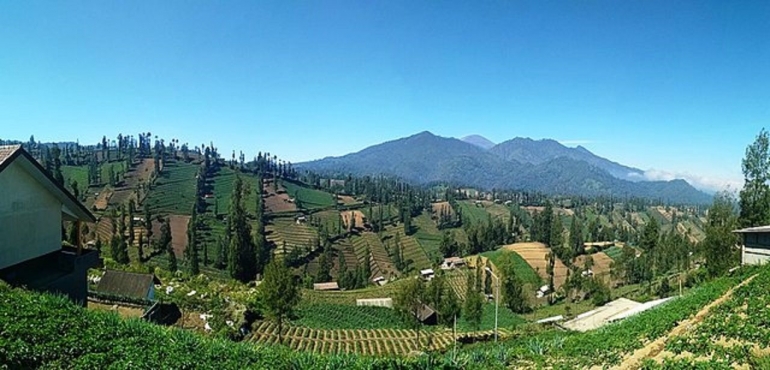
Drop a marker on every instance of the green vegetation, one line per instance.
(506, 319)
(76, 173)
(331, 316)
(174, 190)
(524, 271)
(614, 252)
(472, 213)
(308, 198)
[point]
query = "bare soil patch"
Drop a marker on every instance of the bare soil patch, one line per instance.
(103, 199)
(601, 264)
(346, 199)
(535, 255)
(444, 207)
(178, 225)
(357, 215)
(276, 201)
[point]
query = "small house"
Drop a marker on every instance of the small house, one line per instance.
(380, 280)
(130, 285)
(755, 246)
(452, 263)
(326, 286)
(427, 315)
(32, 209)
(427, 274)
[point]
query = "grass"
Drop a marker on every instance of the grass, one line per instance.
(524, 271)
(308, 198)
(427, 234)
(174, 189)
(222, 181)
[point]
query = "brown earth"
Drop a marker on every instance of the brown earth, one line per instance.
(178, 225)
(103, 199)
(561, 211)
(358, 215)
(276, 201)
(601, 263)
(445, 206)
(535, 255)
(346, 199)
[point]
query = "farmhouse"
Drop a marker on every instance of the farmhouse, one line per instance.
(427, 315)
(452, 263)
(128, 285)
(32, 209)
(427, 274)
(326, 286)
(755, 248)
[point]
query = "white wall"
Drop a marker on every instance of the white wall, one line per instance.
(30, 217)
(755, 256)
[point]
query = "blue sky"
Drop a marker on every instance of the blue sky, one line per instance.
(679, 88)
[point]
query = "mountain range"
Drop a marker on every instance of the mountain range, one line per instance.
(521, 163)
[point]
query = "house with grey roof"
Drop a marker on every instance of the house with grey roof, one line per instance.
(32, 208)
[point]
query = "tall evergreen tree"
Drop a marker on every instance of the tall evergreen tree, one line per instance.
(278, 294)
(241, 257)
(720, 240)
(191, 250)
(755, 196)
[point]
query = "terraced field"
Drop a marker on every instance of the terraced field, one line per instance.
(427, 234)
(281, 231)
(309, 198)
(371, 342)
(381, 263)
(534, 254)
(412, 250)
(174, 190)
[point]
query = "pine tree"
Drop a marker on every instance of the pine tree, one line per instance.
(241, 257)
(191, 251)
(278, 294)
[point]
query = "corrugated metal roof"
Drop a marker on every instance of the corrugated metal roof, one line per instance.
(326, 286)
(126, 284)
(758, 229)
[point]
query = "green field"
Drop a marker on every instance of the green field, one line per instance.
(472, 213)
(427, 234)
(174, 190)
(77, 173)
(331, 316)
(308, 198)
(223, 180)
(614, 252)
(505, 319)
(523, 270)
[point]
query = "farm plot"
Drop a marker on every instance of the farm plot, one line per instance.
(276, 199)
(601, 263)
(411, 249)
(353, 218)
(734, 333)
(442, 208)
(371, 342)
(332, 316)
(524, 270)
(308, 198)
(178, 225)
(473, 213)
(293, 235)
(140, 172)
(427, 234)
(103, 199)
(535, 255)
(174, 189)
(381, 263)
(221, 182)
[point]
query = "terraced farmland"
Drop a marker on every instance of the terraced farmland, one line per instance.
(174, 190)
(371, 342)
(309, 198)
(381, 263)
(294, 235)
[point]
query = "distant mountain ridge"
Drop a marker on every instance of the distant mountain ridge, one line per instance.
(523, 164)
(479, 141)
(526, 150)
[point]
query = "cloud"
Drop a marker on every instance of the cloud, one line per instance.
(709, 184)
(575, 142)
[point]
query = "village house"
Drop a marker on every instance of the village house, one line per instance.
(452, 263)
(32, 209)
(755, 245)
(326, 286)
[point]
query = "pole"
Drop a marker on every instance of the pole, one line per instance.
(497, 305)
(497, 298)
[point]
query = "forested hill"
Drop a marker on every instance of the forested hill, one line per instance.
(426, 158)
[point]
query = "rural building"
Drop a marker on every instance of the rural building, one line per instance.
(755, 247)
(427, 315)
(427, 274)
(128, 284)
(326, 286)
(32, 209)
(380, 280)
(452, 263)
(375, 302)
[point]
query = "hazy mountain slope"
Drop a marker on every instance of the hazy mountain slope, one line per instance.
(526, 150)
(426, 158)
(421, 158)
(479, 141)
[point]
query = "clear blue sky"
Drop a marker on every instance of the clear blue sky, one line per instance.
(676, 86)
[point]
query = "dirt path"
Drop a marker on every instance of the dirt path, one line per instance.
(652, 349)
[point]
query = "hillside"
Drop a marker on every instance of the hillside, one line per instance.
(524, 164)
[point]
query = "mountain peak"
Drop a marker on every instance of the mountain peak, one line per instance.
(478, 141)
